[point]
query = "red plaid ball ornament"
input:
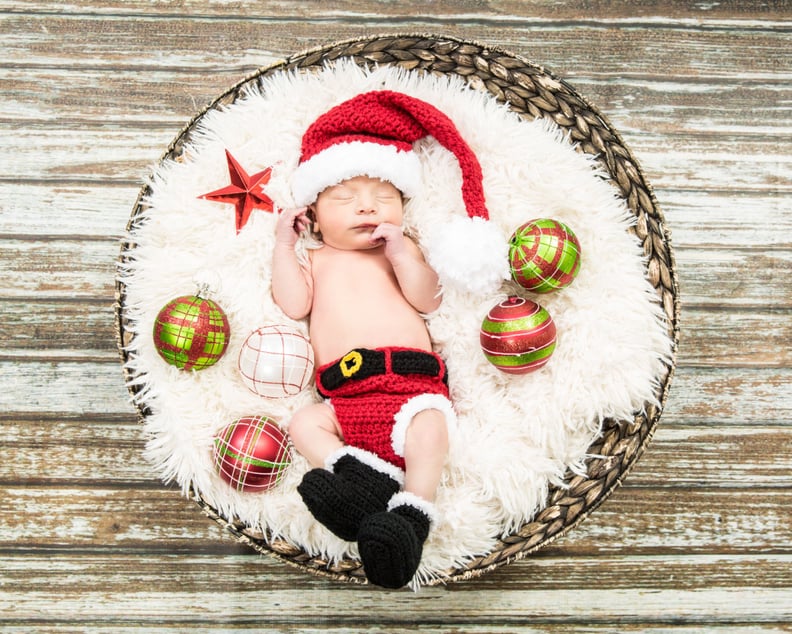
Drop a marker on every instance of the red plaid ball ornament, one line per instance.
(518, 336)
(252, 453)
(544, 255)
(276, 361)
(191, 332)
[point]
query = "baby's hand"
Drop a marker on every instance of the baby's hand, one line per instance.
(392, 237)
(417, 280)
(291, 223)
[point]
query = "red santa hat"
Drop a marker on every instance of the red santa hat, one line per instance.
(373, 134)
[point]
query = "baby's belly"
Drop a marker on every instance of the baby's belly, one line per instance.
(333, 338)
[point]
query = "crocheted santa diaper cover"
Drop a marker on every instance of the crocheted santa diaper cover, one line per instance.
(376, 393)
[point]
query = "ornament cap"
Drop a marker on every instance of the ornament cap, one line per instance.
(207, 283)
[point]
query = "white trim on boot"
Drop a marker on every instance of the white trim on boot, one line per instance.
(367, 458)
(405, 498)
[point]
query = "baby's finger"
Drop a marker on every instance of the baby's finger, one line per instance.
(378, 236)
(289, 216)
(383, 231)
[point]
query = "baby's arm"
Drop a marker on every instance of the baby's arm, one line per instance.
(418, 281)
(292, 287)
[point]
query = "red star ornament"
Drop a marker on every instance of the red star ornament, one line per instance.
(244, 192)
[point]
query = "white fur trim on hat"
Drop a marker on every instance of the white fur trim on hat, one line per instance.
(343, 161)
(470, 254)
(411, 409)
(367, 458)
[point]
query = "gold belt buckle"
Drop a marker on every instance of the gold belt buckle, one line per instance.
(351, 363)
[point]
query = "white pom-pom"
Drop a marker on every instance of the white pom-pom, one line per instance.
(470, 254)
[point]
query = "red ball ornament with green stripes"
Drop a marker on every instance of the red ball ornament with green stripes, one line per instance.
(252, 453)
(544, 255)
(191, 332)
(518, 336)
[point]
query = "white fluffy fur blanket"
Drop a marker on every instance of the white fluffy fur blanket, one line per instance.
(517, 434)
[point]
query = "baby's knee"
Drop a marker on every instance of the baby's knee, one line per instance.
(428, 428)
(306, 422)
(298, 425)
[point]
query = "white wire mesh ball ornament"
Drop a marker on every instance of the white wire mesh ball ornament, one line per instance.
(276, 361)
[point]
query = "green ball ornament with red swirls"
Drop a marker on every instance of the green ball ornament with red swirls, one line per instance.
(544, 255)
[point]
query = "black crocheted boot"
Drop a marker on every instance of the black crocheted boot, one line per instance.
(357, 485)
(391, 543)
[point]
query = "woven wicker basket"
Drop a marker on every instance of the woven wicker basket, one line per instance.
(532, 92)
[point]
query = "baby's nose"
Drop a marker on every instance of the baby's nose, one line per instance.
(366, 205)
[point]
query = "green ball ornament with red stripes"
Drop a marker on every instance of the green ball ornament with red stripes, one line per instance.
(518, 336)
(544, 255)
(191, 332)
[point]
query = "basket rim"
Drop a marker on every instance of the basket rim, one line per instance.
(622, 442)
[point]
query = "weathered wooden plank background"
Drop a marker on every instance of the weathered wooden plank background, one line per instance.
(699, 537)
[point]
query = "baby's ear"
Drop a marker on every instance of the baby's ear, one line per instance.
(311, 215)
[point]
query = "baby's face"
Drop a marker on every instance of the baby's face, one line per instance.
(347, 213)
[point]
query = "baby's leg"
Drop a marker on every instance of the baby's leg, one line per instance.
(425, 450)
(391, 543)
(346, 484)
(315, 433)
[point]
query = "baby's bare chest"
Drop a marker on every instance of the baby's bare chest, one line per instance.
(345, 281)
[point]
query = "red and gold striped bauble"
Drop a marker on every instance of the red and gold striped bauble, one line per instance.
(544, 255)
(518, 336)
(252, 453)
(191, 332)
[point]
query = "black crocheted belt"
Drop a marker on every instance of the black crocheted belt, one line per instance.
(363, 363)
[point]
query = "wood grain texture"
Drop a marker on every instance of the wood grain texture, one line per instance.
(697, 539)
